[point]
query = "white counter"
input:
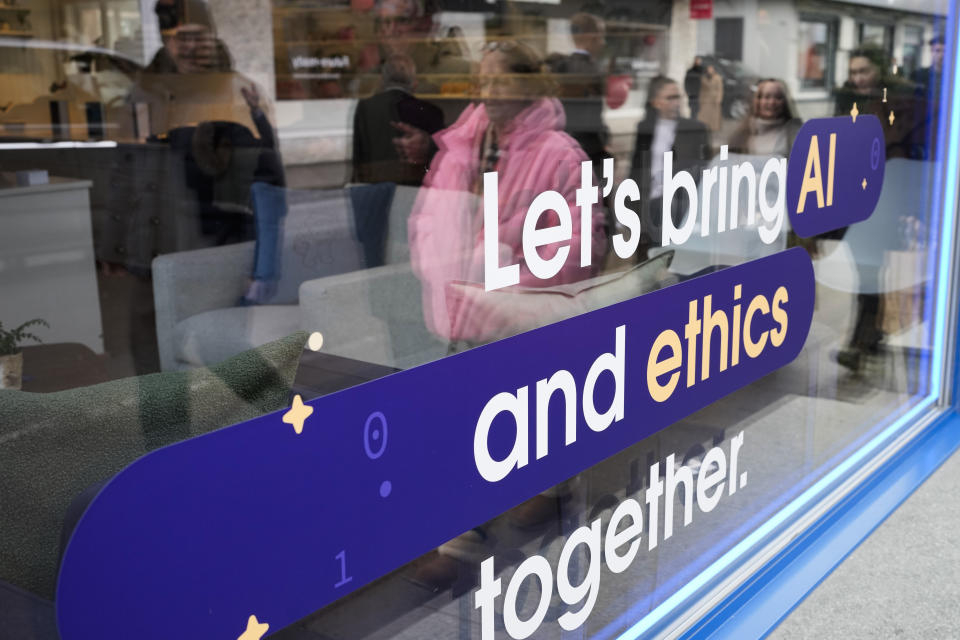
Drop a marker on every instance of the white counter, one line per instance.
(47, 267)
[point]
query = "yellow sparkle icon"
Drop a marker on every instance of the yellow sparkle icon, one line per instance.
(298, 414)
(255, 629)
(854, 112)
(892, 117)
(864, 184)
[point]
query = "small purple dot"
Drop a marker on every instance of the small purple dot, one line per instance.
(376, 435)
(385, 488)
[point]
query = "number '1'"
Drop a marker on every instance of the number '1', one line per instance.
(344, 578)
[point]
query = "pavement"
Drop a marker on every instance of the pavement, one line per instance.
(901, 582)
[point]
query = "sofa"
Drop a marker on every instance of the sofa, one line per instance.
(369, 313)
(196, 293)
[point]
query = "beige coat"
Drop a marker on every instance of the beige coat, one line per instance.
(711, 99)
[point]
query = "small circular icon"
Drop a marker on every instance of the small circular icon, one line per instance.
(316, 341)
(875, 154)
(385, 488)
(375, 435)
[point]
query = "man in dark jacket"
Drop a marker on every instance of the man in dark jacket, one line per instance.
(929, 87)
(691, 84)
(660, 131)
(931, 78)
(387, 115)
(387, 126)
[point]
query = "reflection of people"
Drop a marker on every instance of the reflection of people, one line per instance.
(875, 91)
(582, 91)
(772, 124)
(191, 78)
(711, 99)
(813, 65)
(269, 204)
(769, 130)
(391, 146)
(929, 81)
(691, 84)
(660, 131)
(375, 156)
(189, 45)
(398, 23)
(218, 125)
(406, 27)
(519, 134)
(932, 76)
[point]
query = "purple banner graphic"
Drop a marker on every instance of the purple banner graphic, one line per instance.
(265, 522)
(835, 173)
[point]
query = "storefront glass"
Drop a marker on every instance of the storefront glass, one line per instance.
(214, 211)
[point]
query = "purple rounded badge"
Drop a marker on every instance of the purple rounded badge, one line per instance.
(835, 173)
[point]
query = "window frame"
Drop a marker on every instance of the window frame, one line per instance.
(830, 57)
(888, 34)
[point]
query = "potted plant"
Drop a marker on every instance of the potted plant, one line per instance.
(11, 358)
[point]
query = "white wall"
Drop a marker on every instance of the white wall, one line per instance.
(682, 46)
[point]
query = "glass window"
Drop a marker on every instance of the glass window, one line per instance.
(216, 216)
(912, 50)
(876, 35)
(816, 50)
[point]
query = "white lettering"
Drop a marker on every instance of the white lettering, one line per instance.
(587, 196)
(494, 276)
(534, 566)
(671, 184)
(776, 213)
(516, 405)
(627, 190)
(533, 238)
(615, 364)
(620, 542)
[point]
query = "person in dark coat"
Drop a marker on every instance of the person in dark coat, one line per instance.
(691, 84)
(931, 77)
(929, 88)
(876, 91)
(660, 131)
(389, 114)
(392, 146)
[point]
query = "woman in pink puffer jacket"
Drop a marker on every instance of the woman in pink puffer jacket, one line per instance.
(519, 134)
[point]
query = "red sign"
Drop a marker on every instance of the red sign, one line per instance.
(701, 9)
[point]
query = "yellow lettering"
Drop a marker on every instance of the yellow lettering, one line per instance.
(831, 164)
(712, 320)
(657, 367)
(777, 336)
(754, 349)
(812, 177)
(735, 356)
(691, 331)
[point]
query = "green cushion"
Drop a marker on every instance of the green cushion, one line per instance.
(54, 445)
